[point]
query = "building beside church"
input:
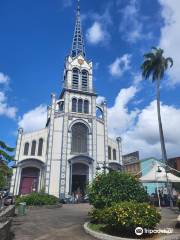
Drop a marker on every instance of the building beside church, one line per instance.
(66, 154)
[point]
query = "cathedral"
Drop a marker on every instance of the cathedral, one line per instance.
(66, 154)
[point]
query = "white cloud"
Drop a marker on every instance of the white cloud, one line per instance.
(139, 128)
(4, 79)
(99, 33)
(100, 99)
(120, 119)
(120, 65)
(5, 109)
(130, 25)
(170, 35)
(96, 34)
(34, 120)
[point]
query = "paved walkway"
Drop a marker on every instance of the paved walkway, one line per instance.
(66, 223)
(52, 224)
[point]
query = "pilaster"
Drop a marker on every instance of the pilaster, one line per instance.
(50, 143)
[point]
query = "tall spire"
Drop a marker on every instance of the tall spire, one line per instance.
(78, 42)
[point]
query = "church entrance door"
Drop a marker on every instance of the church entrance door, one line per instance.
(80, 178)
(29, 180)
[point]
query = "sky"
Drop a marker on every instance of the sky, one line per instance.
(35, 38)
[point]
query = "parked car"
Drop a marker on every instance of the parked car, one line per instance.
(9, 200)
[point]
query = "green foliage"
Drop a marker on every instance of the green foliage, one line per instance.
(115, 187)
(124, 217)
(2, 180)
(37, 199)
(5, 172)
(155, 64)
(4, 152)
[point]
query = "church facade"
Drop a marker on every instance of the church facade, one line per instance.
(67, 153)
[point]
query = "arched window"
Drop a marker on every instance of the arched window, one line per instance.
(40, 147)
(86, 106)
(33, 148)
(80, 105)
(84, 80)
(79, 138)
(26, 148)
(75, 78)
(114, 154)
(109, 152)
(74, 105)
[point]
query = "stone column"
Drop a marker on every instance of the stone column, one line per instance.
(50, 143)
(14, 184)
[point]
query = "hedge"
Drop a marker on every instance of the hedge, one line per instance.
(34, 199)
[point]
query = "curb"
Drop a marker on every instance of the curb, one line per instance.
(103, 236)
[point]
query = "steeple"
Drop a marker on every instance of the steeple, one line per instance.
(78, 42)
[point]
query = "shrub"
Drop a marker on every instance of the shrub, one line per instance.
(37, 199)
(124, 217)
(115, 187)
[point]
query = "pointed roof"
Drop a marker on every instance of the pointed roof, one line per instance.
(78, 42)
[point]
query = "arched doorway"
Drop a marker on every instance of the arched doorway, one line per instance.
(29, 180)
(80, 178)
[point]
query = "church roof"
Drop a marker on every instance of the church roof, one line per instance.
(78, 41)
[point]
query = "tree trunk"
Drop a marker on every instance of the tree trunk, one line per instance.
(163, 148)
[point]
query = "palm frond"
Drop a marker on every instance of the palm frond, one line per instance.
(5, 156)
(149, 55)
(169, 59)
(4, 146)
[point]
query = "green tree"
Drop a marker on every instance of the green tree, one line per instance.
(115, 187)
(5, 151)
(154, 67)
(5, 172)
(5, 157)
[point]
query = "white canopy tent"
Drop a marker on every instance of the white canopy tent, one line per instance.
(158, 174)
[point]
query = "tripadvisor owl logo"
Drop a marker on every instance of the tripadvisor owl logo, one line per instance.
(139, 231)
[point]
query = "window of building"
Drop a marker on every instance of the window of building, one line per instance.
(86, 106)
(75, 78)
(109, 152)
(61, 106)
(84, 80)
(79, 138)
(40, 147)
(26, 148)
(114, 154)
(80, 105)
(33, 148)
(74, 105)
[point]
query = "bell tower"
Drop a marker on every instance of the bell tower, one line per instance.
(79, 105)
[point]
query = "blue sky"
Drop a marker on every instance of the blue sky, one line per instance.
(37, 35)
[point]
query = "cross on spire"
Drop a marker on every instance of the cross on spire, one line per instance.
(78, 42)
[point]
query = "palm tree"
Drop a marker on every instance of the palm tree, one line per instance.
(155, 66)
(4, 152)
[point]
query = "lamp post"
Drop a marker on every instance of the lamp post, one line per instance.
(168, 187)
(159, 200)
